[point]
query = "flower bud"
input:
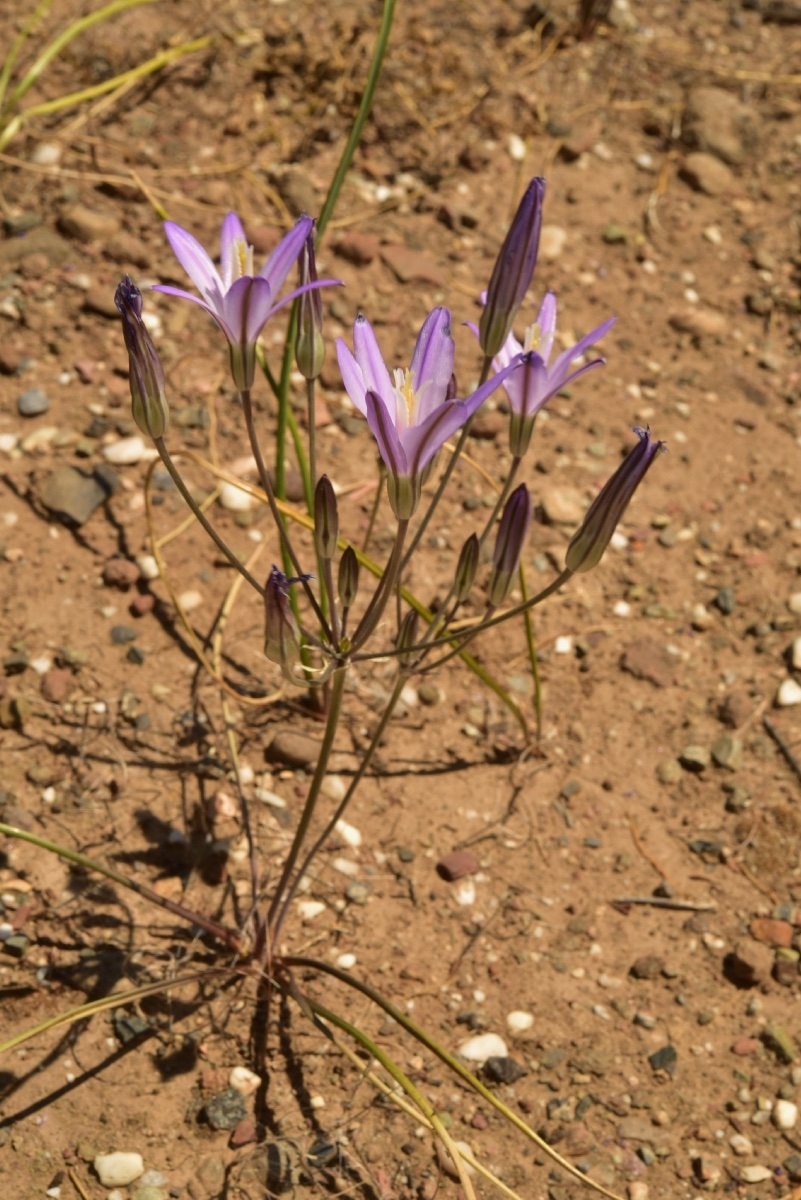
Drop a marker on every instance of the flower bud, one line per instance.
(145, 372)
(514, 267)
(309, 344)
(407, 637)
(281, 633)
(594, 534)
(466, 569)
(512, 531)
(348, 582)
(326, 518)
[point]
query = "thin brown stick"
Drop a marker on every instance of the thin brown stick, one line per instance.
(635, 837)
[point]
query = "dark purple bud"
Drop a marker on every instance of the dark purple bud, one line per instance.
(281, 633)
(593, 536)
(514, 267)
(145, 372)
(326, 518)
(512, 531)
(348, 582)
(407, 637)
(466, 569)
(309, 344)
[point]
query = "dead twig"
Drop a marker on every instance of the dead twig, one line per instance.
(635, 837)
(785, 750)
(666, 902)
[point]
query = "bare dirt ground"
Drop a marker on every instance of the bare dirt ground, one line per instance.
(638, 867)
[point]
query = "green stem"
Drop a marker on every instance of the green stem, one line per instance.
(365, 104)
(531, 646)
(332, 722)
(16, 46)
(364, 763)
(312, 419)
(200, 516)
(375, 609)
(227, 936)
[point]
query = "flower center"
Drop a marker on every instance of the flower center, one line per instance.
(404, 390)
(531, 341)
(241, 259)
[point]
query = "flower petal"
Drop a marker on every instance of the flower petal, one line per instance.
(546, 319)
(568, 356)
(247, 305)
(285, 254)
(422, 442)
(384, 432)
(432, 361)
(213, 312)
(370, 359)
(528, 386)
(196, 262)
(230, 233)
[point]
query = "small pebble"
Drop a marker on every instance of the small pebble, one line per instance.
(244, 1081)
(118, 1169)
(789, 693)
(795, 654)
(122, 634)
(519, 1021)
(741, 1145)
(794, 603)
(148, 566)
(235, 499)
(126, 451)
(345, 962)
(309, 909)
(190, 600)
(485, 1045)
(785, 1114)
(350, 835)
(32, 403)
(755, 1174)
(563, 645)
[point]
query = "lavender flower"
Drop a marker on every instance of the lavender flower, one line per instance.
(239, 301)
(412, 413)
(514, 267)
(512, 530)
(532, 384)
(281, 632)
(593, 536)
(145, 372)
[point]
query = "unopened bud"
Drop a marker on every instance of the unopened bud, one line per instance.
(514, 267)
(326, 518)
(309, 344)
(407, 637)
(512, 532)
(281, 633)
(145, 372)
(348, 582)
(466, 569)
(595, 532)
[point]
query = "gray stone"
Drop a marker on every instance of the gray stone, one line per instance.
(32, 403)
(226, 1109)
(292, 749)
(664, 1059)
(18, 223)
(695, 758)
(72, 494)
(727, 752)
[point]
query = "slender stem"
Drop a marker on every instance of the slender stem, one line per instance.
(381, 595)
(365, 104)
(247, 408)
(327, 579)
(312, 418)
(446, 474)
(463, 643)
(531, 646)
(364, 763)
(334, 712)
(227, 936)
(201, 516)
(382, 475)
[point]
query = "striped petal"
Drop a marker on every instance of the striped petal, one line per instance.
(285, 254)
(385, 433)
(196, 262)
(371, 362)
(231, 233)
(432, 362)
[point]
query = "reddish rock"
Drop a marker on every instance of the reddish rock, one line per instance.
(456, 865)
(358, 248)
(142, 604)
(772, 931)
(479, 1121)
(648, 659)
(120, 573)
(56, 685)
(744, 1046)
(214, 1079)
(749, 963)
(412, 266)
(245, 1133)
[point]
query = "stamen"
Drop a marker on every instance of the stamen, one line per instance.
(531, 340)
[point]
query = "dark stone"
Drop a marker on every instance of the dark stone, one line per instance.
(724, 601)
(128, 1026)
(226, 1109)
(502, 1069)
(648, 967)
(122, 634)
(664, 1059)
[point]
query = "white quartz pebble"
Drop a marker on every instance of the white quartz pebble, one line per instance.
(244, 1081)
(345, 961)
(148, 566)
(789, 693)
(519, 1021)
(118, 1169)
(350, 835)
(785, 1114)
(126, 451)
(485, 1045)
(309, 909)
(234, 498)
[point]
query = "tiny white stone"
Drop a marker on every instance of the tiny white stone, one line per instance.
(409, 696)
(789, 693)
(794, 603)
(755, 1174)
(190, 600)
(519, 1021)
(268, 797)
(309, 909)
(345, 961)
(638, 1190)
(333, 787)
(234, 498)
(741, 1145)
(8, 441)
(517, 147)
(246, 774)
(563, 645)
(54, 1193)
(644, 161)
(785, 1114)
(485, 1045)
(712, 234)
(126, 451)
(118, 1169)
(41, 664)
(622, 608)
(619, 541)
(317, 1102)
(796, 654)
(465, 892)
(346, 867)
(350, 835)
(46, 154)
(244, 1081)
(553, 239)
(148, 566)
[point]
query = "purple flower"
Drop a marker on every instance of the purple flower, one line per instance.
(512, 531)
(239, 301)
(281, 632)
(593, 536)
(532, 384)
(411, 413)
(514, 267)
(145, 372)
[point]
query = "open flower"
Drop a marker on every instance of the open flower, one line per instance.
(412, 412)
(595, 532)
(532, 384)
(240, 301)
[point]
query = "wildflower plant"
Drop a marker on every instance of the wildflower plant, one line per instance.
(331, 609)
